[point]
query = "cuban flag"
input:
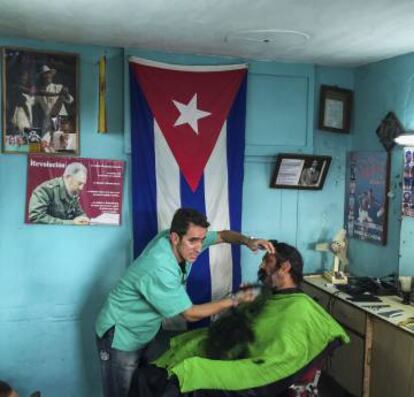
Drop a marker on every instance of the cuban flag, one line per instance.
(188, 139)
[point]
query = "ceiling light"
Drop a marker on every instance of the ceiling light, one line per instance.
(283, 37)
(405, 139)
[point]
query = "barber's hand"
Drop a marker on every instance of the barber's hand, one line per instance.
(81, 220)
(245, 295)
(259, 244)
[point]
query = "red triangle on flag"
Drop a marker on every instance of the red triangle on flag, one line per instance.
(190, 108)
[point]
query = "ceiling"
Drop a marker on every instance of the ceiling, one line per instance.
(324, 32)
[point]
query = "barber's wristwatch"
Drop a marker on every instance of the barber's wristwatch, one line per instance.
(249, 238)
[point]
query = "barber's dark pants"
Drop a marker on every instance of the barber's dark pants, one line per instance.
(151, 381)
(117, 367)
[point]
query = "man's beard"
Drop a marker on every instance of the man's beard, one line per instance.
(264, 278)
(70, 194)
(73, 194)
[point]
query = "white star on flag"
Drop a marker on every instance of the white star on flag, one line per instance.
(189, 114)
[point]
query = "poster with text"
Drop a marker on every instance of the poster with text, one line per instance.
(74, 191)
(366, 200)
(408, 183)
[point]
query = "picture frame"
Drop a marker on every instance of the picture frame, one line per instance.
(366, 196)
(335, 109)
(407, 205)
(300, 171)
(40, 102)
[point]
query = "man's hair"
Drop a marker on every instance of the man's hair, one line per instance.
(74, 169)
(182, 219)
(5, 389)
(285, 252)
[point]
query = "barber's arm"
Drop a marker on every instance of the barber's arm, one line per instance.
(254, 244)
(198, 312)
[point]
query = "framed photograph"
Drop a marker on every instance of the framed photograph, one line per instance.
(335, 109)
(40, 102)
(300, 171)
(366, 198)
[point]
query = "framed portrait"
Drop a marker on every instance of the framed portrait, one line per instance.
(335, 109)
(40, 102)
(300, 171)
(366, 198)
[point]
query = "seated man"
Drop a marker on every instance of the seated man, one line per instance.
(288, 330)
(6, 390)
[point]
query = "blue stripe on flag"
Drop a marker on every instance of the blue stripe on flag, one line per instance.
(143, 169)
(235, 165)
(144, 194)
(199, 280)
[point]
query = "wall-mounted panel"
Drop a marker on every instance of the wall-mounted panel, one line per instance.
(280, 109)
(277, 112)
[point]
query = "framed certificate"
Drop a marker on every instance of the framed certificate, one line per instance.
(300, 171)
(335, 109)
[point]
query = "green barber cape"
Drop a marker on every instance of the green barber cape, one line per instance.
(291, 330)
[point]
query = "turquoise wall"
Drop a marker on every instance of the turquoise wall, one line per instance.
(379, 88)
(301, 217)
(55, 278)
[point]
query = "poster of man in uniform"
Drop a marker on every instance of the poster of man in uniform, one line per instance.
(40, 102)
(366, 196)
(74, 191)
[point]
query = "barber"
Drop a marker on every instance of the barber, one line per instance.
(153, 289)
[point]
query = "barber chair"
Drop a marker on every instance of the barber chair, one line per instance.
(307, 384)
(151, 381)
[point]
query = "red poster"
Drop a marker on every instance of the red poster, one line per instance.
(74, 191)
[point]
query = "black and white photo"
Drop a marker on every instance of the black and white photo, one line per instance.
(300, 171)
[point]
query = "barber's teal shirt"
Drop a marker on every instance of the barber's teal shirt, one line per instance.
(152, 288)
